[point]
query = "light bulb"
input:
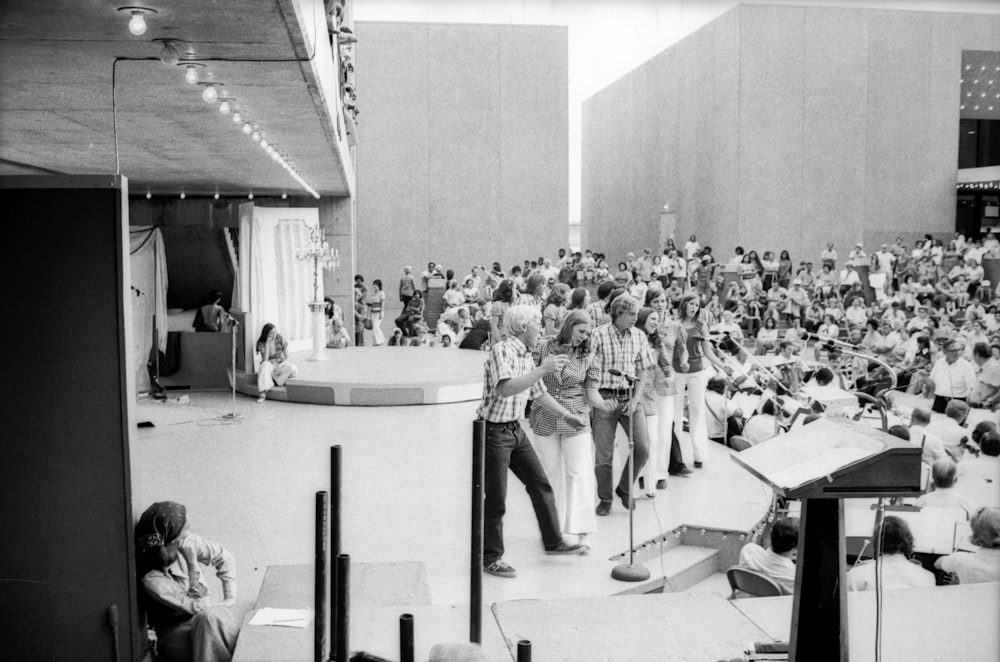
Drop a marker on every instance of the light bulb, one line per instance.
(263, 143)
(191, 75)
(284, 196)
(254, 136)
(183, 196)
(169, 55)
(250, 196)
(216, 196)
(247, 129)
(210, 94)
(137, 24)
(224, 107)
(237, 118)
(149, 196)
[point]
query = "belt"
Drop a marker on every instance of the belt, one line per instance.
(615, 391)
(500, 426)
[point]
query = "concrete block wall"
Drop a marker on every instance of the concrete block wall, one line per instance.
(779, 127)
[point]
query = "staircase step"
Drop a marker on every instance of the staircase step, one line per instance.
(714, 583)
(681, 567)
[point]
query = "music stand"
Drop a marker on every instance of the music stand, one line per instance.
(822, 464)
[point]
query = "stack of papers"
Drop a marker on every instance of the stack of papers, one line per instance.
(289, 618)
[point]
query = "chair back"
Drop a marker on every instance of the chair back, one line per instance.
(739, 443)
(750, 582)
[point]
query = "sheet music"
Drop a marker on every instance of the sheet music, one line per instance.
(289, 618)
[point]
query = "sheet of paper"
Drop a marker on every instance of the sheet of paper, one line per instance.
(289, 618)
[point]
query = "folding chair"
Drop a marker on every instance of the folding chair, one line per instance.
(754, 584)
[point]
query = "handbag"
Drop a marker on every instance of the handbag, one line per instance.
(368, 323)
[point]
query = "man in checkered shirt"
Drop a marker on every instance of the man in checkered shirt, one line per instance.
(622, 347)
(511, 379)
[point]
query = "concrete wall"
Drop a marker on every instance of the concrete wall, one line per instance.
(778, 127)
(463, 146)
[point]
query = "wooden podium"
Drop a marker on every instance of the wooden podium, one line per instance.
(823, 463)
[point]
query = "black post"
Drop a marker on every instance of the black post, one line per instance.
(476, 561)
(343, 607)
(524, 651)
(335, 474)
(320, 585)
(406, 638)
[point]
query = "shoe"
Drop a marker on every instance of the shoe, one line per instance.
(565, 548)
(261, 397)
(603, 509)
(661, 484)
(697, 465)
(624, 497)
(683, 471)
(500, 569)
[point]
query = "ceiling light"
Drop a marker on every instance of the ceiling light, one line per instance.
(962, 107)
(191, 73)
(263, 143)
(968, 66)
(137, 24)
(250, 196)
(254, 136)
(284, 196)
(149, 196)
(216, 196)
(183, 195)
(975, 82)
(237, 118)
(210, 94)
(990, 108)
(246, 129)
(224, 106)
(975, 108)
(170, 56)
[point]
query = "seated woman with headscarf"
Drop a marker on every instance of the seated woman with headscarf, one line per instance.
(274, 369)
(189, 624)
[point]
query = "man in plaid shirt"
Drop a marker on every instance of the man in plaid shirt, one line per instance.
(622, 347)
(511, 379)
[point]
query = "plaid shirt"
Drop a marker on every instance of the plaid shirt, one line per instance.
(508, 358)
(566, 386)
(628, 352)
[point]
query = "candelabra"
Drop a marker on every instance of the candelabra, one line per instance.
(318, 250)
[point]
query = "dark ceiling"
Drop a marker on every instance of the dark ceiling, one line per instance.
(80, 94)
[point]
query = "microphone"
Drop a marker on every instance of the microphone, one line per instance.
(618, 373)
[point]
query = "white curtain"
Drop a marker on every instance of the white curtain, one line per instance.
(281, 286)
(148, 264)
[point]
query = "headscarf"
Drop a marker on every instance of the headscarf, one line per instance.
(160, 525)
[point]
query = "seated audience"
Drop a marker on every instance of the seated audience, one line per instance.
(778, 562)
(893, 549)
(767, 337)
(982, 566)
(985, 466)
(943, 493)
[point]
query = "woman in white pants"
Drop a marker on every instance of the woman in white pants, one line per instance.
(567, 455)
(376, 311)
(274, 368)
(693, 334)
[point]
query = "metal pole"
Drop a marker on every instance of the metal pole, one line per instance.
(343, 607)
(476, 560)
(524, 651)
(406, 638)
(335, 475)
(320, 585)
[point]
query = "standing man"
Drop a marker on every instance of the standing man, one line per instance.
(618, 346)
(828, 257)
(407, 285)
(986, 395)
(511, 380)
(953, 377)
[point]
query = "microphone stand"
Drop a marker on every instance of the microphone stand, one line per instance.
(233, 416)
(630, 572)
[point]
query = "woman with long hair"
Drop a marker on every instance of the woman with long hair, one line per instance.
(413, 314)
(566, 454)
(579, 299)
(554, 310)
(691, 380)
(274, 368)
(785, 268)
(503, 299)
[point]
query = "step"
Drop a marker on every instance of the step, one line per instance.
(678, 568)
(714, 583)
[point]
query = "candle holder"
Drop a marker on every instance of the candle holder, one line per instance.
(318, 250)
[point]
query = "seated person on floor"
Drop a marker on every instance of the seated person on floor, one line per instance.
(338, 338)
(274, 368)
(778, 562)
(723, 418)
(943, 493)
(984, 466)
(893, 550)
(982, 566)
(189, 623)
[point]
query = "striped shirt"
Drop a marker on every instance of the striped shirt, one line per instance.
(507, 359)
(565, 386)
(628, 352)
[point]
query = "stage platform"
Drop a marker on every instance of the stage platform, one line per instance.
(379, 377)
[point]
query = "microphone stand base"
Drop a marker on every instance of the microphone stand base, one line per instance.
(626, 572)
